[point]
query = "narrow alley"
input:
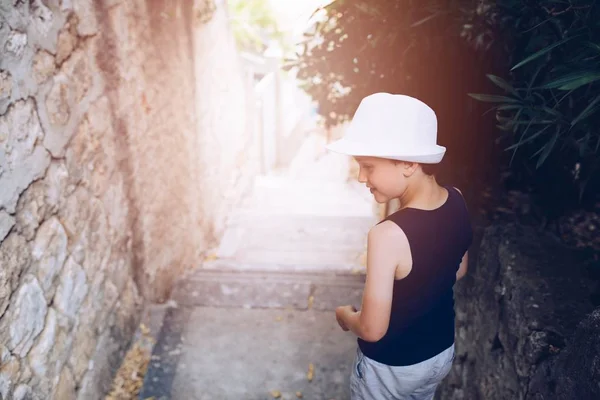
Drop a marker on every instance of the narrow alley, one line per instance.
(257, 321)
(172, 227)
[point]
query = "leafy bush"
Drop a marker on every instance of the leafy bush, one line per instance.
(253, 24)
(551, 94)
(543, 57)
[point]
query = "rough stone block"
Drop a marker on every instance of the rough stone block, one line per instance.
(15, 13)
(41, 199)
(40, 17)
(25, 319)
(93, 317)
(67, 41)
(23, 158)
(112, 345)
(84, 345)
(73, 88)
(5, 85)
(17, 41)
(23, 392)
(43, 66)
(90, 243)
(66, 385)
(71, 290)
(92, 155)
(7, 221)
(79, 70)
(49, 354)
(10, 369)
(75, 214)
(31, 210)
(56, 184)
(86, 13)
(49, 252)
(57, 102)
(14, 261)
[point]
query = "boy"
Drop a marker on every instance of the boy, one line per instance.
(405, 327)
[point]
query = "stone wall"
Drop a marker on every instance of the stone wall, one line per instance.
(144, 53)
(104, 194)
(526, 325)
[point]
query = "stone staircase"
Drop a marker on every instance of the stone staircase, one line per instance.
(255, 320)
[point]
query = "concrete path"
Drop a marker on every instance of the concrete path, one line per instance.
(257, 321)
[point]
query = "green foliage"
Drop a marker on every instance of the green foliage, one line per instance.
(422, 48)
(383, 45)
(551, 105)
(536, 62)
(253, 24)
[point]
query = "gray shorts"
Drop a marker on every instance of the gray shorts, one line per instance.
(372, 380)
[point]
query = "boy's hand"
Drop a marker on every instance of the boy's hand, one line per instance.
(342, 325)
(339, 315)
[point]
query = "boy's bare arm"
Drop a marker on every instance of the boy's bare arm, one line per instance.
(383, 256)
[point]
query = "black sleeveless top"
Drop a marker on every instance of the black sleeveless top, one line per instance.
(422, 317)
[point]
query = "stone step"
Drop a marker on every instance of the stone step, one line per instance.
(282, 238)
(318, 290)
(233, 265)
(298, 258)
(292, 221)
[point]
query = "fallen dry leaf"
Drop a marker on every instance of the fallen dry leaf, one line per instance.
(129, 379)
(144, 329)
(299, 395)
(278, 318)
(276, 394)
(311, 372)
(210, 257)
(311, 300)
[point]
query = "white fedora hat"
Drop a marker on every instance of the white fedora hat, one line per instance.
(392, 126)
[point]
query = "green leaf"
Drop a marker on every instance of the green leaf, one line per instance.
(573, 81)
(490, 98)
(550, 111)
(529, 139)
(593, 46)
(506, 107)
(424, 20)
(502, 84)
(589, 110)
(541, 52)
(548, 148)
(515, 119)
(519, 143)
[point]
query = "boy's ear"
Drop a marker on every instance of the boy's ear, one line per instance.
(409, 168)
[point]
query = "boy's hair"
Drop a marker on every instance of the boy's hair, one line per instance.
(428, 169)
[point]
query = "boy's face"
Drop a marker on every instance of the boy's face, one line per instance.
(387, 179)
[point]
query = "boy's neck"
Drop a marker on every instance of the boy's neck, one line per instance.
(423, 194)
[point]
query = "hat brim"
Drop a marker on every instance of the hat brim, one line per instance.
(431, 155)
